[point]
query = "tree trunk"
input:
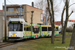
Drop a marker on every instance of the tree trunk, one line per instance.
(53, 27)
(51, 13)
(62, 18)
(67, 17)
(52, 38)
(72, 42)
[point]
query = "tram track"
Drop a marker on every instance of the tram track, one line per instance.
(7, 44)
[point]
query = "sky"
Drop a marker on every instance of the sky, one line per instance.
(9, 2)
(60, 6)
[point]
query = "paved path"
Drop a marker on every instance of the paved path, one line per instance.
(21, 43)
(12, 46)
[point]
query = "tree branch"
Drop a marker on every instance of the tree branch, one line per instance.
(70, 14)
(62, 15)
(51, 2)
(49, 12)
(72, 4)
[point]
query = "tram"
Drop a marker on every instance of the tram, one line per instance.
(16, 28)
(19, 29)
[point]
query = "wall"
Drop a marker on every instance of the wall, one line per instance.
(27, 15)
(36, 14)
(70, 24)
(1, 26)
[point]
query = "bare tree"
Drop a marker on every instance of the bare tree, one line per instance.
(51, 14)
(66, 7)
(40, 4)
(72, 42)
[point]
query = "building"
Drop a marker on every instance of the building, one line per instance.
(48, 20)
(1, 25)
(70, 23)
(23, 11)
(58, 23)
(14, 11)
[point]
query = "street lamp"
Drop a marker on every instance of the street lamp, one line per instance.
(32, 18)
(31, 21)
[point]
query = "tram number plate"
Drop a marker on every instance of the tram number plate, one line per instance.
(13, 35)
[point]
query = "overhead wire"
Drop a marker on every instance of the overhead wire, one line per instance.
(10, 1)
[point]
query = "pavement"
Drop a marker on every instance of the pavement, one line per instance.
(12, 46)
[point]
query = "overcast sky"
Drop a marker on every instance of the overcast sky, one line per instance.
(15, 2)
(72, 8)
(59, 2)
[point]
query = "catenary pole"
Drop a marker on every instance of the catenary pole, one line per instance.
(20, 10)
(5, 19)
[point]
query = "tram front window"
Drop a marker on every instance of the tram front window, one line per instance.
(56, 29)
(36, 30)
(15, 27)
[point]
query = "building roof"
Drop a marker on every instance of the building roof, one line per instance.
(34, 7)
(16, 5)
(11, 6)
(71, 20)
(58, 23)
(1, 10)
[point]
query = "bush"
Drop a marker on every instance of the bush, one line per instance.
(69, 29)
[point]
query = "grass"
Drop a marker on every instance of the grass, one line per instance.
(44, 44)
(67, 34)
(4, 38)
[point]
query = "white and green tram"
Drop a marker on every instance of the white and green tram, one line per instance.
(16, 28)
(19, 29)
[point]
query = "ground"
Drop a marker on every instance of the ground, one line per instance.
(43, 44)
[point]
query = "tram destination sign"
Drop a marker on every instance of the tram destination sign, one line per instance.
(14, 22)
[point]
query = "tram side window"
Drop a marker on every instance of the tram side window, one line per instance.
(27, 29)
(44, 28)
(56, 29)
(49, 28)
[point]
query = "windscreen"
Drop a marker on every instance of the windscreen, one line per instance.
(56, 29)
(35, 30)
(15, 27)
